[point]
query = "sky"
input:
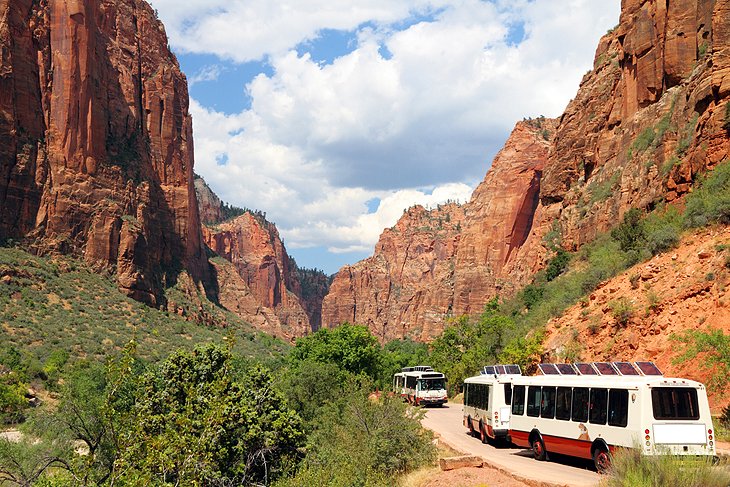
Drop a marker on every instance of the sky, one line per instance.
(334, 117)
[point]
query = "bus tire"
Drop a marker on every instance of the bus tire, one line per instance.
(482, 432)
(602, 459)
(538, 448)
(470, 426)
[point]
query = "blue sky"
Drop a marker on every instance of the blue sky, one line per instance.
(335, 117)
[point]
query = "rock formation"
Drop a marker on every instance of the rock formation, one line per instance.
(254, 247)
(646, 121)
(453, 259)
(97, 152)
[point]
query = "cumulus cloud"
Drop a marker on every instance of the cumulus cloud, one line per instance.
(413, 114)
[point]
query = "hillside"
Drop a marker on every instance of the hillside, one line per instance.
(641, 312)
(61, 304)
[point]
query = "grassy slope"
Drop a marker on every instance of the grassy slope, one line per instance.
(49, 304)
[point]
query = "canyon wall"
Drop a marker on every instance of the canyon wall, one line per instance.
(97, 152)
(646, 121)
(255, 249)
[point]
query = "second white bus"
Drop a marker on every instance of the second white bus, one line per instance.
(487, 400)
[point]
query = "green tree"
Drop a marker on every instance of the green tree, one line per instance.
(311, 385)
(196, 425)
(361, 441)
(351, 347)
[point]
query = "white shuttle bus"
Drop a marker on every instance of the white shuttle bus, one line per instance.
(421, 386)
(487, 400)
(588, 410)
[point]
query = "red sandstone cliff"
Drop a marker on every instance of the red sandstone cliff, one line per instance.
(97, 153)
(451, 260)
(254, 247)
(645, 122)
(406, 288)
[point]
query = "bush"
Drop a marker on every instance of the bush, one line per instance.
(631, 468)
(557, 265)
(726, 121)
(361, 441)
(710, 202)
(622, 310)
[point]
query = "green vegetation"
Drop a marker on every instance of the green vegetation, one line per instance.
(630, 468)
(726, 119)
(714, 345)
(602, 191)
(622, 310)
(50, 306)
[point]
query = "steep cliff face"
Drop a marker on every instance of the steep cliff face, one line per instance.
(646, 121)
(501, 243)
(254, 247)
(209, 204)
(451, 260)
(406, 288)
(97, 152)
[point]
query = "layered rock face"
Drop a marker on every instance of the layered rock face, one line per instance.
(647, 120)
(209, 204)
(501, 242)
(254, 247)
(406, 288)
(97, 152)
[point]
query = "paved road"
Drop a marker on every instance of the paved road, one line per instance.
(447, 422)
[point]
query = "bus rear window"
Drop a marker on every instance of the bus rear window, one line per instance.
(675, 403)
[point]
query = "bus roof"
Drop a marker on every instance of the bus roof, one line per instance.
(602, 368)
(633, 382)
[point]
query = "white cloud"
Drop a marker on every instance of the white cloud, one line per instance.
(206, 73)
(320, 140)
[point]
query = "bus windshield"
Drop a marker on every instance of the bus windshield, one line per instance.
(431, 384)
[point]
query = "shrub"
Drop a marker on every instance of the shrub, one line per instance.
(726, 121)
(557, 265)
(364, 442)
(631, 468)
(622, 310)
(710, 202)
(714, 345)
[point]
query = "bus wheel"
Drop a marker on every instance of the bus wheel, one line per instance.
(482, 432)
(470, 426)
(538, 449)
(602, 459)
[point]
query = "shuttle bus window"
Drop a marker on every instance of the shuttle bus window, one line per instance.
(598, 406)
(618, 407)
(675, 403)
(534, 400)
(547, 408)
(508, 394)
(518, 400)
(563, 399)
(580, 404)
(465, 388)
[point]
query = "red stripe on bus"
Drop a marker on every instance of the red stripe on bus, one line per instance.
(568, 446)
(520, 438)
